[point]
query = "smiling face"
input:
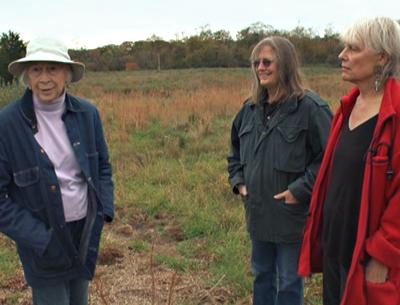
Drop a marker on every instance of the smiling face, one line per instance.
(359, 64)
(47, 80)
(266, 67)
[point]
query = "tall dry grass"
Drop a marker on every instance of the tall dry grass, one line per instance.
(216, 93)
(178, 109)
(173, 98)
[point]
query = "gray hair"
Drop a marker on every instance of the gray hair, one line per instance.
(379, 35)
(24, 80)
(288, 63)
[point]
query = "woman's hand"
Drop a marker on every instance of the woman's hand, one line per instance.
(376, 272)
(242, 189)
(286, 196)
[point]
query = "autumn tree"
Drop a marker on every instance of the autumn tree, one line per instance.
(207, 48)
(247, 38)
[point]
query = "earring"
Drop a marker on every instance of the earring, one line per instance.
(378, 71)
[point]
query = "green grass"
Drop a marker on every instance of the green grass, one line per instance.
(316, 70)
(140, 246)
(189, 182)
(9, 262)
(163, 82)
(178, 263)
(13, 298)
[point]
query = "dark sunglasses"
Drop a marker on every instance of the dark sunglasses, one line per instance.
(265, 61)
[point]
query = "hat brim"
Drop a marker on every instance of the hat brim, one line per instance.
(16, 67)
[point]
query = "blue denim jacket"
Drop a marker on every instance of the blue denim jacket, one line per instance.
(31, 210)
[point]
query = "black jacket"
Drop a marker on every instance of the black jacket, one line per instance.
(271, 156)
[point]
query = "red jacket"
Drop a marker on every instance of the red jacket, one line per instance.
(379, 223)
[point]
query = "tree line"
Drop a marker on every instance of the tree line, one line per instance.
(207, 49)
(204, 49)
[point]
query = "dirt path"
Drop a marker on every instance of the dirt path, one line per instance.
(125, 276)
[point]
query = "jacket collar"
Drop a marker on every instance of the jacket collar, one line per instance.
(284, 108)
(390, 97)
(287, 106)
(72, 104)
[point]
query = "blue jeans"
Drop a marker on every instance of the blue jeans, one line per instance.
(74, 292)
(275, 268)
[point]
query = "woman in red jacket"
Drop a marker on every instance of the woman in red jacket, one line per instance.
(353, 232)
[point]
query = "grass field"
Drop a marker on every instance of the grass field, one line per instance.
(168, 134)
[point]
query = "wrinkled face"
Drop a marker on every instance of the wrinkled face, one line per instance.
(47, 80)
(267, 69)
(358, 64)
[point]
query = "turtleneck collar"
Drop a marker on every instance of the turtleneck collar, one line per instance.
(54, 106)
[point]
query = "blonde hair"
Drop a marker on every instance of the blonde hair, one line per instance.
(379, 35)
(288, 63)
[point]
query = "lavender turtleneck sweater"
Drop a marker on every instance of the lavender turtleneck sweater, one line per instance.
(52, 137)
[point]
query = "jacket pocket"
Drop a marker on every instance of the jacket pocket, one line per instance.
(27, 181)
(292, 219)
(378, 193)
(290, 149)
(54, 258)
(382, 293)
(299, 209)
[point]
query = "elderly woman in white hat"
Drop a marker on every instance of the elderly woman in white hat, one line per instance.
(56, 185)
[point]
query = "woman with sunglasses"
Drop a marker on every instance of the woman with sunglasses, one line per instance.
(278, 139)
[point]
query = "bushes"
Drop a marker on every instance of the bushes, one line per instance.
(9, 94)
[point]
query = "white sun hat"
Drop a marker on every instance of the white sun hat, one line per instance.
(50, 50)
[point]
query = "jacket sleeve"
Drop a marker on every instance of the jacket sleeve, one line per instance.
(235, 167)
(318, 132)
(106, 185)
(384, 243)
(16, 221)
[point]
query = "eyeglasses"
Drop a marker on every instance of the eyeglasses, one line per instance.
(265, 61)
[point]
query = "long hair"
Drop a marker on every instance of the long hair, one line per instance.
(288, 64)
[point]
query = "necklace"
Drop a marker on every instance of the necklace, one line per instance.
(269, 111)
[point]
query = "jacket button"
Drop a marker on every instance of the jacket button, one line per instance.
(42, 151)
(53, 188)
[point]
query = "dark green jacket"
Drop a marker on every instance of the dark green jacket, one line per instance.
(269, 158)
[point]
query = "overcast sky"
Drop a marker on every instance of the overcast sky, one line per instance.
(93, 23)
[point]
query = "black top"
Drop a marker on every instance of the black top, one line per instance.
(269, 110)
(343, 197)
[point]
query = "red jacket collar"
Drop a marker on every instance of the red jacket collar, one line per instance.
(389, 106)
